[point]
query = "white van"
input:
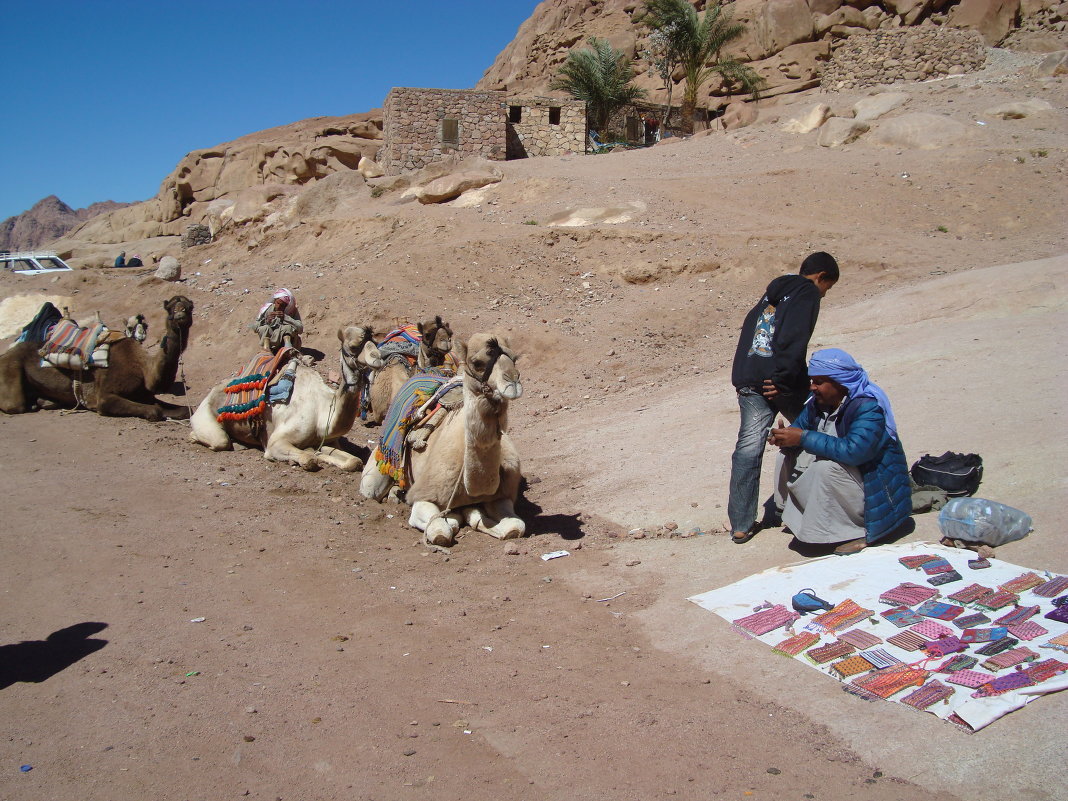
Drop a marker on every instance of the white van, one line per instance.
(33, 262)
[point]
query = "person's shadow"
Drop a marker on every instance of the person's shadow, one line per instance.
(38, 660)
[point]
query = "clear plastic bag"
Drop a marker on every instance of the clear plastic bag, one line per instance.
(980, 520)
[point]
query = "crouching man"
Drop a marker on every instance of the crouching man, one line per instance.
(844, 478)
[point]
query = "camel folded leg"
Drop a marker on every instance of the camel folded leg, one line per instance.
(116, 406)
(206, 430)
(279, 450)
(496, 518)
(438, 529)
(374, 484)
(331, 456)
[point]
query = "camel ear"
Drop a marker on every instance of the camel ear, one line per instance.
(459, 350)
(341, 334)
(421, 329)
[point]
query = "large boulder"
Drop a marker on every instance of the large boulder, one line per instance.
(170, 269)
(452, 186)
(992, 18)
(1053, 65)
(809, 121)
(739, 114)
(369, 169)
(871, 108)
(1019, 109)
(839, 131)
(918, 131)
(252, 203)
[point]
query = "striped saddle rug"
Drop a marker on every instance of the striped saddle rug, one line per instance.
(403, 343)
(246, 395)
(72, 346)
(413, 403)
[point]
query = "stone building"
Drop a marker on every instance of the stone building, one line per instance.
(424, 125)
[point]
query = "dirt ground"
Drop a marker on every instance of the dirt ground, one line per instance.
(183, 624)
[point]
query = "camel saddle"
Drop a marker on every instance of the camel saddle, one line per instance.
(76, 347)
(414, 406)
(248, 394)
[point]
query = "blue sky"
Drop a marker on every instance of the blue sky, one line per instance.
(102, 98)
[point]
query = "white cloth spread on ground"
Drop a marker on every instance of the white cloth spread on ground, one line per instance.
(865, 576)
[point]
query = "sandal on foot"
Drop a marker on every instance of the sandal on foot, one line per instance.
(851, 547)
(742, 537)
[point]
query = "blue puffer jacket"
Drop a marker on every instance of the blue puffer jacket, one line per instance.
(863, 442)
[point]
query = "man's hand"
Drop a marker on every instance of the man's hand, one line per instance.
(786, 437)
(769, 390)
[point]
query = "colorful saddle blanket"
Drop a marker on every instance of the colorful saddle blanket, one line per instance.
(404, 343)
(409, 407)
(247, 394)
(72, 346)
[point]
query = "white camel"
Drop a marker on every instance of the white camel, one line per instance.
(469, 471)
(435, 342)
(304, 431)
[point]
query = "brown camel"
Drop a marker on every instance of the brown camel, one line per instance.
(435, 342)
(125, 388)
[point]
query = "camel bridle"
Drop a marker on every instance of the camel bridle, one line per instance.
(352, 360)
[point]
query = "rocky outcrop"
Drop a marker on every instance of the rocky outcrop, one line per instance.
(789, 42)
(908, 54)
(237, 182)
(47, 220)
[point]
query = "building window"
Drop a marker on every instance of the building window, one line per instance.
(515, 114)
(450, 131)
(554, 115)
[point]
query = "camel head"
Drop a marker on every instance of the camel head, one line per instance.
(358, 348)
(437, 337)
(490, 361)
(137, 327)
(179, 310)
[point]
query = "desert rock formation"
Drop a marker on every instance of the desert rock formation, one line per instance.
(48, 219)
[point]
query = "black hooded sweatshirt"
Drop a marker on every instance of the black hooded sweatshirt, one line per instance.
(774, 339)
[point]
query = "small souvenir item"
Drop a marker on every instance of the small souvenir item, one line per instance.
(996, 600)
(936, 565)
(881, 658)
(971, 621)
(928, 695)
(766, 620)
(1003, 684)
(972, 592)
(957, 662)
(978, 564)
(1028, 630)
(859, 638)
(884, 683)
(944, 578)
(1059, 643)
(997, 646)
(907, 641)
(792, 646)
(850, 666)
(969, 678)
(1023, 582)
(939, 610)
(825, 653)
(931, 629)
(1052, 588)
(944, 647)
(1047, 669)
(1060, 614)
(917, 561)
(1018, 615)
(1010, 658)
(907, 594)
(902, 616)
(983, 635)
(847, 613)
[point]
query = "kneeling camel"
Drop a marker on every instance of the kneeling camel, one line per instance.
(469, 471)
(303, 431)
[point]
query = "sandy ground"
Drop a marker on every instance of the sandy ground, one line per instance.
(338, 658)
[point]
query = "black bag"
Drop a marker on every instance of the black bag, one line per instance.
(956, 473)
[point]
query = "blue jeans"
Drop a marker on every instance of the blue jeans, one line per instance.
(758, 414)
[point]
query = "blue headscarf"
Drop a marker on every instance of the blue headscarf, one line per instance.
(843, 369)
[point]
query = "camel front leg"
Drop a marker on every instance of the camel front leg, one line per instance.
(279, 450)
(496, 518)
(331, 456)
(438, 529)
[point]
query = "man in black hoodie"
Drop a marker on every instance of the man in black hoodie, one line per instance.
(770, 375)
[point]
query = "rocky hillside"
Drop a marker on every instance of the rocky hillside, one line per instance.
(786, 41)
(49, 219)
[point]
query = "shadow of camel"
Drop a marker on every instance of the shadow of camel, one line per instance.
(38, 660)
(568, 526)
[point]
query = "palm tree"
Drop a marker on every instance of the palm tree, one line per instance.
(696, 41)
(601, 76)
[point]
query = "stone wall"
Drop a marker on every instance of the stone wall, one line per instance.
(535, 135)
(906, 54)
(196, 234)
(415, 123)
